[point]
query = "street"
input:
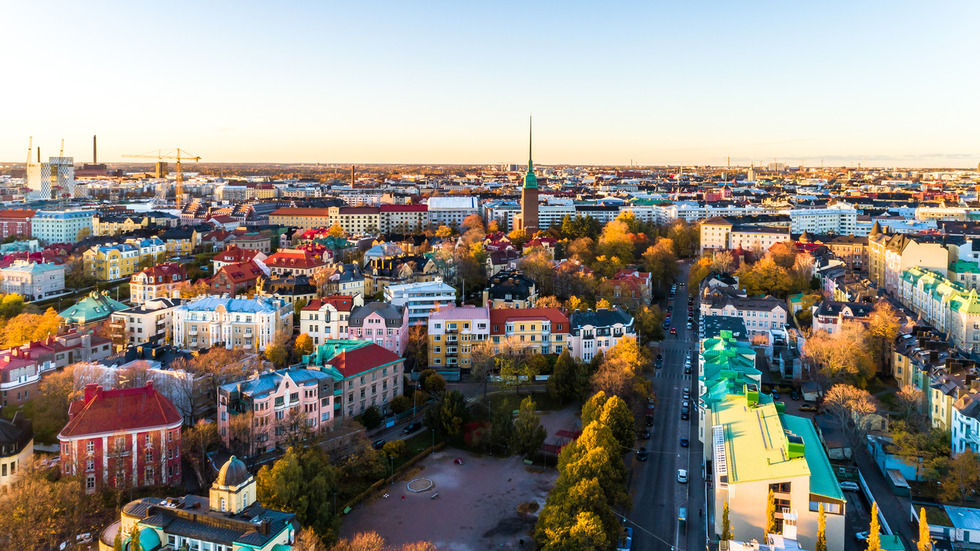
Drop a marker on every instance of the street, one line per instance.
(657, 496)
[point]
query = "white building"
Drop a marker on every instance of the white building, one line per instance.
(592, 332)
(965, 427)
(328, 317)
(241, 324)
(49, 226)
(42, 178)
(150, 321)
(840, 219)
(451, 211)
(421, 299)
(33, 281)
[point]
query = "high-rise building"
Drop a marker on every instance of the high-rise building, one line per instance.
(43, 178)
(527, 220)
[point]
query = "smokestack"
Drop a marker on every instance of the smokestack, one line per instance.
(351, 176)
(39, 155)
(95, 151)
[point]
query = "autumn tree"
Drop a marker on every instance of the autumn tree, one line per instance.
(649, 322)
(661, 261)
(39, 511)
(726, 524)
(582, 249)
(372, 541)
(417, 347)
(958, 476)
(821, 544)
(616, 415)
(853, 409)
(911, 400)
(883, 327)
(548, 302)
(685, 238)
(841, 356)
(874, 530)
(615, 242)
(448, 415)
(218, 366)
(302, 482)
(569, 380)
(621, 370)
(765, 277)
(482, 363)
(529, 435)
(925, 538)
(512, 362)
(304, 344)
(918, 445)
(723, 262)
(772, 526)
(539, 267)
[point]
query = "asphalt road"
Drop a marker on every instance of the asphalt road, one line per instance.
(657, 496)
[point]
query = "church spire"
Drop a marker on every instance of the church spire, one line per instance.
(530, 180)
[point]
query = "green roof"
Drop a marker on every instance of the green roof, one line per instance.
(823, 482)
(96, 306)
(964, 267)
(891, 543)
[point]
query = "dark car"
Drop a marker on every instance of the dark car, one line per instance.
(684, 442)
(642, 454)
(687, 369)
(645, 435)
(412, 427)
(685, 415)
(378, 444)
(795, 395)
(775, 394)
(649, 420)
(808, 407)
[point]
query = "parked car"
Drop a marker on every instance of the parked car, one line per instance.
(80, 539)
(684, 442)
(378, 444)
(795, 395)
(849, 486)
(412, 427)
(687, 369)
(862, 536)
(775, 394)
(642, 454)
(808, 407)
(685, 415)
(682, 476)
(645, 435)
(649, 420)
(625, 540)
(687, 393)
(673, 331)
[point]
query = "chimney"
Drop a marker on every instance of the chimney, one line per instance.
(95, 151)
(92, 391)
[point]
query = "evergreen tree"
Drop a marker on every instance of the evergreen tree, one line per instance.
(302, 482)
(529, 435)
(874, 531)
(134, 539)
(925, 540)
(770, 515)
(821, 531)
(726, 524)
(117, 544)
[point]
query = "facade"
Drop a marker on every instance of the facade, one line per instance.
(451, 211)
(33, 281)
(229, 519)
(239, 324)
(943, 304)
(364, 374)
(304, 218)
(356, 220)
(237, 255)
(232, 279)
(294, 262)
(839, 219)
(542, 330)
(16, 448)
(757, 238)
(279, 401)
(381, 323)
(510, 289)
(452, 334)
(755, 449)
(150, 321)
(831, 315)
(122, 438)
(54, 179)
(253, 241)
(763, 316)
(50, 226)
(421, 299)
(594, 332)
(715, 233)
(965, 423)
(327, 318)
(403, 218)
(160, 281)
(111, 262)
(15, 222)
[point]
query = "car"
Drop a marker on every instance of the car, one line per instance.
(849, 486)
(689, 325)
(775, 394)
(686, 403)
(687, 393)
(625, 540)
(685, 415)
(682, 476)
(642, 454)
(687, 369)
(645, 435)
(673, 331)
(808, 407)
(649, 420)
(862, 536)
(684, 442)
(79, 539)
(795, 395)
(412, 427)
(378, 444)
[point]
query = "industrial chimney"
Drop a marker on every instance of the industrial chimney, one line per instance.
(95, 151)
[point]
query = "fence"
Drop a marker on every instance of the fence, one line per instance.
(384, 481)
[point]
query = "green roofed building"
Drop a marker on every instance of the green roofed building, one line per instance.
(93, 308)
(756, 448)
(726, 366)
(949, 306)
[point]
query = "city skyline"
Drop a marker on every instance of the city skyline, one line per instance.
(881, 84)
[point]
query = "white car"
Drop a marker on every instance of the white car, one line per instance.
(79, 539)
(682, 476)
(849, 486)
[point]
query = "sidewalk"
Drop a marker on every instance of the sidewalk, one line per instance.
(893, 508)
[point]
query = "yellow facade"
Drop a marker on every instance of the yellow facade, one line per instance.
(109, 263)
(113, 227)
(179, 247)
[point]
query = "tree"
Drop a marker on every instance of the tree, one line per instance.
(615, 242)
(512, 359)
(548, 302)
(38, 511)
(821, 530)
(569, 379)
(958, 476)
(278, 355)
(661, 261)
(529, 435)
(853, 409)
(448, 415)
(649, 323)
(134, 539)
(305, 483)
(574, 304)
(501, 427)
(242, 435)
(371, 418)
(840, 357)
(482, 363)
(620, 370)
(771, 525)
(371, 541)
(603, 304)
(616, 415)
(925, 538)
(396, 449)
(299, 305)
(685, 237)
(304, 344)
(883, 327)
(336, 231)
(539, 266)
(432, 382)
(919, 447)
(417, 347)
(400, 404)
(765, 277)
(910, 402)
(726, 524)
(874, 530)
(723, 262)
(195, 443)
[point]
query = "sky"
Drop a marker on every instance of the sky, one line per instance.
(881, 83)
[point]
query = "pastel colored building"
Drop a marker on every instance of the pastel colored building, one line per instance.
(452, 334)
(60, 226)
(594, 332)
(239, 324)
(16, 448)
(33, 281)
(543, 330)
(160, 281)
(381, 323)
(364, 374)
(326, 318)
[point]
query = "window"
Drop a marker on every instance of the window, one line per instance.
(90, 447)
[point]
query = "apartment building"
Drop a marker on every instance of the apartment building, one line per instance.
(403, 218)
(451, 211)
(542, 330)
(840, 219)
(33, 281)
(232, 279)
(381, 323)
(122, 438)
(593, 332)
(421, 299)
(240, 324)
(831, 315)
(889, 255)
(15, 222)
(757, 449)
(763, 316)
(356, 220)
(160, 281)
(452, 334)
(49, 226)
(16, 448)
(943, 304)
(305, 218)
(110, 262)
(149, 321)
(326, 318)
(237, 255)
(510, 289)
(294, 262)
(364, 374)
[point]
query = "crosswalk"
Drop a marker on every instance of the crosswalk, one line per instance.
(671, 376)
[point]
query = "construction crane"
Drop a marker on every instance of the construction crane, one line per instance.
(179, 155)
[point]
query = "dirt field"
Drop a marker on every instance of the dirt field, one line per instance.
(477, 504)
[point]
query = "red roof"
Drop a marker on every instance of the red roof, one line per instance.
(167, 270)
(343, 303)
(223, 219)
(300, 212)
(404, 208)
(241, 272)
(235, 254)
(503, 315)
(123, 410)
(362, 359)
(293, 258)
(17, 213)
(359, 210)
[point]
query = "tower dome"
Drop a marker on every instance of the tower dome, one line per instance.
(233, 473)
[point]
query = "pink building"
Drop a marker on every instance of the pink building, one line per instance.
(381, 323)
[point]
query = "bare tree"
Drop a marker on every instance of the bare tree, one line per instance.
(853, 408)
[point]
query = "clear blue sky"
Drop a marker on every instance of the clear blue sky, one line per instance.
(882, 83)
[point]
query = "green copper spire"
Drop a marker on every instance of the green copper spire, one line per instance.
(530, 180)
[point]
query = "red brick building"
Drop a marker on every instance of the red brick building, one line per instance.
(15, 222)
(236, 278)
(122, 438)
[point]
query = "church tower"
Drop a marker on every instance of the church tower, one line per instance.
(528, 219)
